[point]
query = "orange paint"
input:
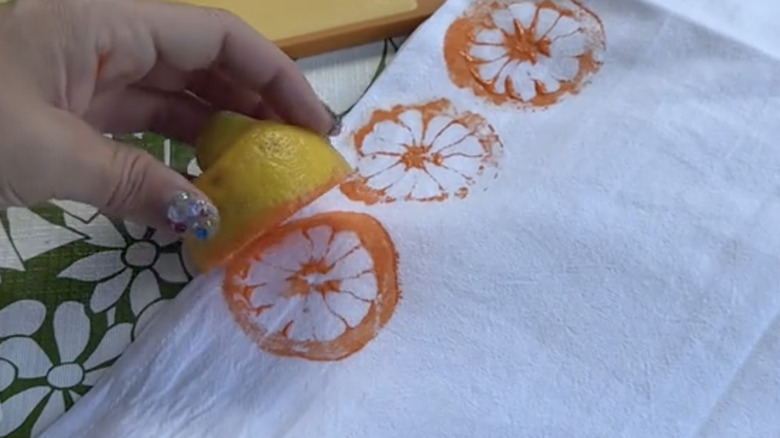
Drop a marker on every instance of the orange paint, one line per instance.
(101, 65)
(416, 156)
(421, 155)
(521, 45)
(372, 238)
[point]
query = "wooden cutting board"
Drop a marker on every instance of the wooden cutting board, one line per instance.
(310, 27)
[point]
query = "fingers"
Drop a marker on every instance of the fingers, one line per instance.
(192, 38)
(126, 182)
(211, 86)
(163, 77)
(224, 94)
(175, 115)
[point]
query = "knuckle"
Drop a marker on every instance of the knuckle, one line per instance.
(11, 197)
(220, 18)
(230, 24)
(218, 22)
(224, 18)
(127, 192)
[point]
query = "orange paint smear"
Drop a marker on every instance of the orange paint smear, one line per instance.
(101, 65)
(523, 46)
(222, 251)
(419, 156)
(373, 238)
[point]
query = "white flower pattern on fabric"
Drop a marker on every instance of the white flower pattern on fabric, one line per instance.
(22, 358)
(28, 236)
(8, 257)
(20, 318)
(136, 261)
(532, 50)
(193, 169)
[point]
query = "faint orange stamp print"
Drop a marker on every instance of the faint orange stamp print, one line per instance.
(424, 153)
(531, 53)
(318, 288)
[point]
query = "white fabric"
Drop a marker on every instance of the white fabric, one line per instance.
(753, 23)
(618, 278)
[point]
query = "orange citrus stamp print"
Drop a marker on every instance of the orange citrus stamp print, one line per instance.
(318, 288)
(531, 52)
(423, 153)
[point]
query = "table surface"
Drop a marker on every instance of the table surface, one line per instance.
(76, 288)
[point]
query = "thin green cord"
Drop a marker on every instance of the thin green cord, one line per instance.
(394, 44)
(380, 68)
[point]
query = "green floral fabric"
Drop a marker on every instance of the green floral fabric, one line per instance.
(76, 288)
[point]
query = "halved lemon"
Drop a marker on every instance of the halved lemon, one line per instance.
(258, 174)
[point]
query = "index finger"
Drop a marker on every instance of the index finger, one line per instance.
(193, 38)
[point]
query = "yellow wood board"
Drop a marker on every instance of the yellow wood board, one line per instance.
(280, 19)
(308, 27)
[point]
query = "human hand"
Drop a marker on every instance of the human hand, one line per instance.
(73, 69)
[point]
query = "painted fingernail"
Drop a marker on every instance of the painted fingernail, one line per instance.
(336, 128)
(188, 214)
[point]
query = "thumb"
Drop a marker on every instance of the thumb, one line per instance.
(129, 183)
(132, 184)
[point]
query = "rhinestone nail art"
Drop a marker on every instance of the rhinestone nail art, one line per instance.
(191, 215)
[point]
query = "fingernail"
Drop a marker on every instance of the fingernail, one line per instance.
(189, 214)
(336, 128)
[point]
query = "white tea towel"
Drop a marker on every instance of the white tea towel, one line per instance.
(753, 23)
(565, 223)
